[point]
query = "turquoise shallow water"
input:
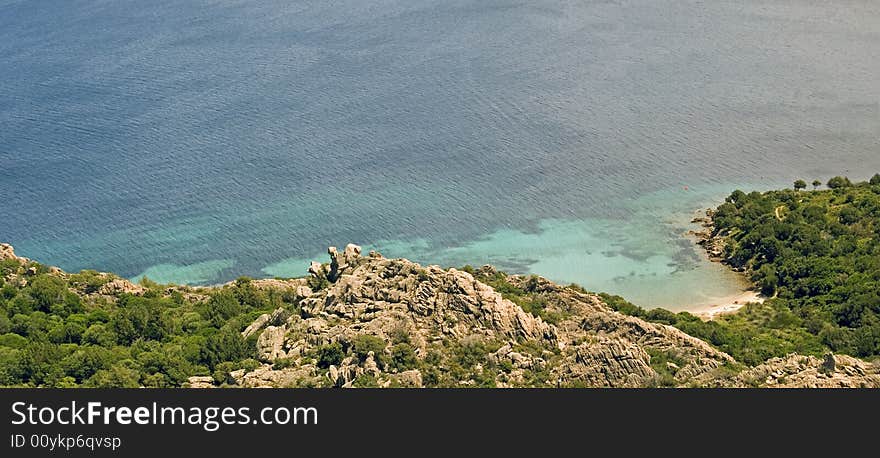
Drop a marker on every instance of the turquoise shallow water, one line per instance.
(647, 256)
(198, 141)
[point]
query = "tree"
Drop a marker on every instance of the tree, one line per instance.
(849, 215)
(875, 180)
(50, 294)
(11, 367)
(247, 294)
(139, 318)
(86, 361)
(816, 184)
(5, 323)
(99, 334)
(221, 307)
(120, 375)
(800, 184)
(13, 341)
(737, 198)
(767, 280)
(226, 345)
(839, 182)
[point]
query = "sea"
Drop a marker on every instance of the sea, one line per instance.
(196, 141)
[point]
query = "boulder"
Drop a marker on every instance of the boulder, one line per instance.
(121, 286)
(258, 324)
(6, 252)
(270, 344)
(201, 382)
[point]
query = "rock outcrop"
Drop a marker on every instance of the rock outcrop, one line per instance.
(200, 382)
(121, 286)
(615, 350)
(712, 242)
(798, 371)
(437, 312)
(6, 252)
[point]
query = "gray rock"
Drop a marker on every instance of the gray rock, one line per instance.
(258, 324)
(410, 379)
(201, 382)
(120, 286)
(270, 344)
(316, 269)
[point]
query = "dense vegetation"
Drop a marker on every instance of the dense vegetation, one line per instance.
(816, 254)
(59, 330)
(56, 332)
(754, 334)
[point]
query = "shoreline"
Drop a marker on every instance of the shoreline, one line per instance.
(713, 249)
(727, 305)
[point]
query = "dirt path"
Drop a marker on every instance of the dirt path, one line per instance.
(776, 211)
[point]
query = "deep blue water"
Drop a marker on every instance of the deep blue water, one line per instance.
(198, 141)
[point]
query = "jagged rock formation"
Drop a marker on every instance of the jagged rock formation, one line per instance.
(121, 286)
(618, 350)
(798, 371)
(200, 382)
(434, 310)
(6, 252)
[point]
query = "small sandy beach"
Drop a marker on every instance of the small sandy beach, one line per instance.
(726, 305)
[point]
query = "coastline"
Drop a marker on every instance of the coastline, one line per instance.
(713, 248)
(727, 305)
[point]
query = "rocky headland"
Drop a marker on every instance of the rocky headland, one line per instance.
(438, 311)
(363, 320)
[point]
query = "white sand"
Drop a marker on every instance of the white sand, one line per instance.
(727, 305)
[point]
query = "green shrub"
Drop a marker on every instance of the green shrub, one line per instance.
(249, 365)
(839, 182)
(223, 346)
(365, 381)
(284, 363)
(222, 374)
(363, 344)
(403, 357)
(399, 334)
(13, 340)
(330, 355)
(120, 375)
(90, 281)
(318, 283)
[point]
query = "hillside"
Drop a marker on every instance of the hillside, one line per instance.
(814, 254)
(357, 321)
(817, 253)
